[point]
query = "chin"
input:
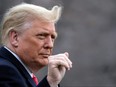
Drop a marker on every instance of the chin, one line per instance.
(43, 64)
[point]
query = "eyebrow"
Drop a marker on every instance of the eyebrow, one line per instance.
(53, 34)
(46, 31)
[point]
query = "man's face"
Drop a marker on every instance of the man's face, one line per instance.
(36, 43)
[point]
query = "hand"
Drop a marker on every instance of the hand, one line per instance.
(58, 64)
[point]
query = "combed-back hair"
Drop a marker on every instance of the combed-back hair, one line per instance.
(17, 16)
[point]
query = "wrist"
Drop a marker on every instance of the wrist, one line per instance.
(51, 82)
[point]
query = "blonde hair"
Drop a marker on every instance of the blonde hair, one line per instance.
(19, 15)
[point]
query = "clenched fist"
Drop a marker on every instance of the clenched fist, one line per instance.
(58, 64)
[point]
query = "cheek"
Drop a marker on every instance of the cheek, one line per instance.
(30, 49)
(33, 44)
(30, 41)
(30, 46)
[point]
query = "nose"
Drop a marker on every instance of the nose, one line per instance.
(49, 43)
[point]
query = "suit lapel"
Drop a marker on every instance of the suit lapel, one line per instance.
(4, 53)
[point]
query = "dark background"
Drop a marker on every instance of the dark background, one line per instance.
(87, 30)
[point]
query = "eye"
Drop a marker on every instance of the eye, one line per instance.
(41, 36)
(53, 37)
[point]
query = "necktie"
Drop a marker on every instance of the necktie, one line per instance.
(35, 79)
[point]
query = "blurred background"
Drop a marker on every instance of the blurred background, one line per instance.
(87, 30)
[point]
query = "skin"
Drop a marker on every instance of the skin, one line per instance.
(35, 44)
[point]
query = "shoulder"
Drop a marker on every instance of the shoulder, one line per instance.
(9, 73)
(6, 65)
(7, 69)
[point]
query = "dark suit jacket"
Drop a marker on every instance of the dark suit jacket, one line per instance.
(13, 74)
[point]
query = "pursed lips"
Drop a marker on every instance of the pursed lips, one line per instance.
(45, 55)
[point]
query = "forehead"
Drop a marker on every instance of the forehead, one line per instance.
(36, 27)
(46, 26)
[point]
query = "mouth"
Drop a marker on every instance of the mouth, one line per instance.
(45, 55)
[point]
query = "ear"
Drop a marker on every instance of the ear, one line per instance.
(13, 35)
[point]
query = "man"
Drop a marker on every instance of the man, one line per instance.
(28, 35)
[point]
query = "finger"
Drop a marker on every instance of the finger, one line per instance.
(67, 59)
(59, 63)
(62, 57)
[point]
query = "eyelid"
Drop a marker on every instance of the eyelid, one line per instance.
(43, 35)
(53, 36)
